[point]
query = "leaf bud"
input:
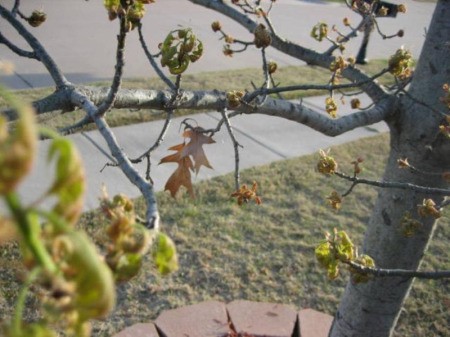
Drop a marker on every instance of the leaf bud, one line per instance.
(262, 36)
(428, 208)
(346, 22)
(446, 99)
(227, 51)
(335, 200)
(401, 33)
(400, 64)
(403, 163)
(356, 165)
(401, 8)
(319, 31)
(331, 107)
(234, 98)
(216, 26)
(272, 67)
(326, 165)
(351, 60)
(338, 64)
(383, 11)
(37, 18)
(229, 39)
(355, 103)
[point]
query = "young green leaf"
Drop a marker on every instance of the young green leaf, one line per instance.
(165, 255)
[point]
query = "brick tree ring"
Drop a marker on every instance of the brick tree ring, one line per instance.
(239, 318)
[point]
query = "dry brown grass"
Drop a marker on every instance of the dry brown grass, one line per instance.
(260, 253)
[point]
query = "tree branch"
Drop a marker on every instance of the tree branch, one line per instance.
(371, 88)
(329, 87)
(215, 100)
(151, 59)
(236, 146)
(152, 215)
(319, 121)
(388, 184)
(380, 272)
(117, 80)
(37, 47)
(17, 50)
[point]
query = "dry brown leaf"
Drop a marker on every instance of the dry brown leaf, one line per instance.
(176, 157)
(182, 175)
(195, 147)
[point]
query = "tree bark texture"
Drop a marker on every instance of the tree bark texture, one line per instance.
(373, 309)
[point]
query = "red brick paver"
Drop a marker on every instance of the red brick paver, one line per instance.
(258, 319)
(139, 330)
(247, 319)
(206, 319)
(313, 323)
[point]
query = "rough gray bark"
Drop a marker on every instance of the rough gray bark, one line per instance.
(374, 308)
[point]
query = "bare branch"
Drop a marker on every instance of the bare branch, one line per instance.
(215, 100)
(152, 215)
(399, 185)
(151, 59)
(319, 121)
(344, 38)
(373, 89)
(41, 53)
(117, 80)
(380, 272)
(329, 87)
(236, 146)
(17, 50)
(86, 120)
(158, 141)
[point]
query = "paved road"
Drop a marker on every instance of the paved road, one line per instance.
(87, 56)
(80, 38)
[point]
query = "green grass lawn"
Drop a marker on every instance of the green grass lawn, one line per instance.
(260, 253)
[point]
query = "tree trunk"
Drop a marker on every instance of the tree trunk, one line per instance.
(373, 309)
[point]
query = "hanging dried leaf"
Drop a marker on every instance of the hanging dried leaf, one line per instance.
(195, 147)
(182, 175)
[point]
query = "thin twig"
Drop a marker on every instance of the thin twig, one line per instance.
(384, 36)
(15, 8)
(236, 146)
(54, 71)
(170, 111)
(17, 50)
(399, 185)
(329, 87)
(158, 141)
(86, 120)
(152, 215)
(151, 59)
(117, 80)
(380, 272)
